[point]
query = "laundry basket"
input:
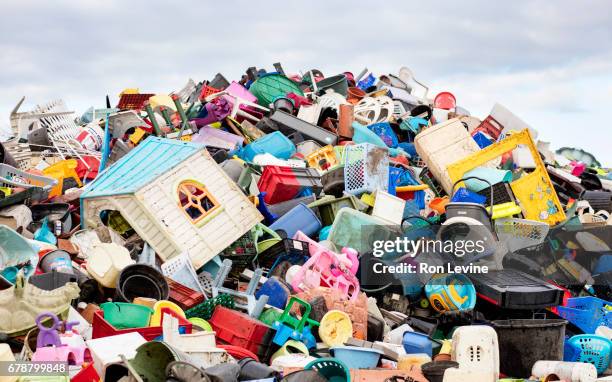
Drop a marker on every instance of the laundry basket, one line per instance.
(589, 348)
(37, 186)
(587, 313)
(366, 168)
(521, 233)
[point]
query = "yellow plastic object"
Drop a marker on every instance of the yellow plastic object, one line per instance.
(505, 210)
(336, 328)
(368, 199)
(534, 191)
(439, 204)
(118, 223)
(162, 100)
(201, 323)
(447, 346)
(7, 191)
(137, 135)
(290, 347)
(129, 91)
(418, 187)
(323, 158)
(156, 317)
(61, 171)
(186, 138)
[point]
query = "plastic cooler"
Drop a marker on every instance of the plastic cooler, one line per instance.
(239, 329)
(101, 327)
(284, 183)
(587, 313)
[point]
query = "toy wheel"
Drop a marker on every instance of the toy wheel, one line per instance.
(185, 372)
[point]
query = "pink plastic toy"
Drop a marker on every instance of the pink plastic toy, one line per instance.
(51, 347)
(327, 268)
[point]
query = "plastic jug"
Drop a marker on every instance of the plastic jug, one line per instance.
(105, 262)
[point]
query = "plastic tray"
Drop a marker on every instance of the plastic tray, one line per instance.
(516, 290)
(133, 101)
(101, 327)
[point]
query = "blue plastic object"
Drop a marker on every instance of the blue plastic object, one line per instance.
(361, 134)
(44, 234)
(451, 292)
(357, 357)
(409, 148)
(324, 233)
(604, 264)
(587, 313)
(394, 177)
(299, 218)
(275, 143)
(370, 80)
(385, 132)
(277, 292)
(263, 208)
(413, 124)
(482, 140)
(414, 343)
(10, 274)
(588, 348)
(464, 195)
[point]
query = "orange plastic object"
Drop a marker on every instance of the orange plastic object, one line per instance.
(61, 171)
(322, 159)
(439, 204)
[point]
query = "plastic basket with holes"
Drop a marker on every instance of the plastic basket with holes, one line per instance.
(587, 313)
(180, 269)
(366, 168)
(589, 348)
(521, 233)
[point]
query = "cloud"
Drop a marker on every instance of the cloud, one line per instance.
(548, 62)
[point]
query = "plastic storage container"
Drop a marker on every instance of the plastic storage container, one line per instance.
(299, 218)
(102, 328)
(357, 357)
(417, 343)
(328, 207)
(284, 183)
(275, 143)
(516, 343)
(587, 313)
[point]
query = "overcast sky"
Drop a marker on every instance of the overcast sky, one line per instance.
(550, 62)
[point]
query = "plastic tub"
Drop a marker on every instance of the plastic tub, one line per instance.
(416, 343)
(357, 357)
(124, 315)
(434, 371)
(518, 352)
(275, 143)
(337, 83)
(299, 218)
(141, 280)
(102, 328)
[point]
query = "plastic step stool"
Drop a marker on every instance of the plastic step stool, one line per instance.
(253, 304)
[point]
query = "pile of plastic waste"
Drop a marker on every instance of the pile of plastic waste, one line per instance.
(300, 227)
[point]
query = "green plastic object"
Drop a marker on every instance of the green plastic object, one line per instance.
(201, 323)
(124, 315)
(206, 309)
(270, 86)
(269, 316)
(331, 368)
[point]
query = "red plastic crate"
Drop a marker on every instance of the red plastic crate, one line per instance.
(489, 126)
(183, 296)
(101, 327)
(133, 101)
(279, 184)
(206, 91)
(239, 329)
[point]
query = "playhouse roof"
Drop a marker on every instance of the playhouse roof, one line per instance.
(140, 166)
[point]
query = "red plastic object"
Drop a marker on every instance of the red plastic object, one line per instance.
(87, 374)
(101, 327)
(279, 184)
(88, 173)
(133, 101)
(239, 329)
(206, 91)
(445, 100)
(183, 296)
(238, 352)
(490, 127)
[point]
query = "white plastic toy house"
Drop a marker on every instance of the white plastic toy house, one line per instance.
(175, 197)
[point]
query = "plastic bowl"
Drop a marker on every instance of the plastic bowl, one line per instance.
(123, 315)
(357, 357)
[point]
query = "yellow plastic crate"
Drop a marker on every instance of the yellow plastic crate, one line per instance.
(534, 191)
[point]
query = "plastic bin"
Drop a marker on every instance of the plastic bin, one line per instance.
(587, 313)
(275, 143)
(183, 296)
(328, 207)
(589, 348)
(357, 357)
(357, 230)
(284, 183)
(366, 168)
(240, 329)
(517, 348)
(300, 218)
(102, 328)
(123, 315)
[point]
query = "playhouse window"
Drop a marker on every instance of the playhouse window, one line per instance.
(195, 200)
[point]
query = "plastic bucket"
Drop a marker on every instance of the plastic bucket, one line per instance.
(523, 342)
(491, 175)
(337, 83)
(153, 357)
(354, 95)
(124, 315)
(91, 137)
(141, 280)
(58, 260)
(434, 371)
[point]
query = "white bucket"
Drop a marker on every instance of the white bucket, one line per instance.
(91, 137)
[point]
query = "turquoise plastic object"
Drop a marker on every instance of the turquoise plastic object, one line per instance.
(299, 218)
(44, 234)
(324, 232)
(588, 348)
(275, 143)
(413, 124)
(364, 135)
(451, 292)
(272, 85)
(357, 357)
(331, 368)
(587, 313)
(16, 251)
(490, 176)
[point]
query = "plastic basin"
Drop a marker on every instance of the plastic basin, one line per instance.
(124, 315)
(356, 357)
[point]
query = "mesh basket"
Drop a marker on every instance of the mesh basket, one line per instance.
(366, 168)
(181, 270)
(587, 313)
(521, 233)
(588, 348)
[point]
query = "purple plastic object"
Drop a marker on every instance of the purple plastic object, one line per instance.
(47, 336)
(217, 110)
